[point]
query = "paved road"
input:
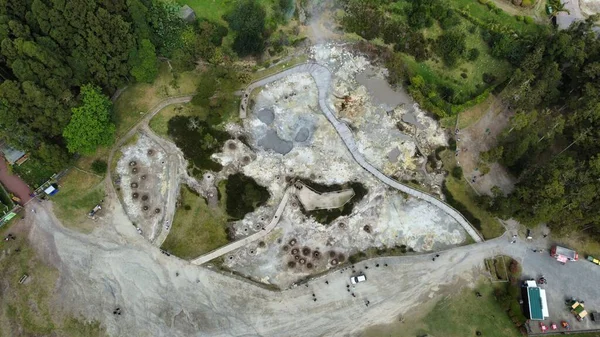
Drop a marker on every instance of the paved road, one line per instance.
(242, 242)
(323, 78)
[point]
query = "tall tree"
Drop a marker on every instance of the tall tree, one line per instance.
(91, 124)
(144, 65)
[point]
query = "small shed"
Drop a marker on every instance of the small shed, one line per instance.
(187, 13)
(12, 155)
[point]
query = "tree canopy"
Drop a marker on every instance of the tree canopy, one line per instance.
(248, 20)
(90, 125)
(144, 65)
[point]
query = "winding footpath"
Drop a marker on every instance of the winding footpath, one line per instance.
(323, 78)
(250, 238)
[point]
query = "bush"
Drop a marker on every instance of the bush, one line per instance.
(490, 5)
(463, 75)
(483, 2)
(528, 19)
(457, 172)
(474, 54)
(488, 78)
(519, 18)
(99, 166)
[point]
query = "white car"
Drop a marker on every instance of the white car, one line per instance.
(358, 279)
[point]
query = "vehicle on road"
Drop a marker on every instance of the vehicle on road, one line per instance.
(358, 279)
(562, 254)
(593, 260)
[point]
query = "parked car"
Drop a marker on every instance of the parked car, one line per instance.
(593, 260)
(358, 279)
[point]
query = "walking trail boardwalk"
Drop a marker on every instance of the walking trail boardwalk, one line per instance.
(322, 77)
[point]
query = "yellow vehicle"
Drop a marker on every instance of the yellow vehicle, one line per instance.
(593, 260)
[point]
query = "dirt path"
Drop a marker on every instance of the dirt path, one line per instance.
(14, 184)
(479, 137)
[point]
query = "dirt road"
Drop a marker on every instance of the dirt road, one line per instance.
(13, 183)
(170, 297)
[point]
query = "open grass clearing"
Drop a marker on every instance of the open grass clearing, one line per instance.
(472, 115)
(458, 315)
(463, 194)
(78, 193)
(160, 122)
(138, 98)
(197, 228)
(213, 10)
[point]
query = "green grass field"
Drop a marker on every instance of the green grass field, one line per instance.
(138, 98)
(460, 315)
(79, 193)
(196, 230)
(213, 10)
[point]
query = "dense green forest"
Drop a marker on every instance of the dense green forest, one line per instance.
(553, 142)
(60, 61)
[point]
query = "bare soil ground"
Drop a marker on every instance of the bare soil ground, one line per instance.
(480, 137)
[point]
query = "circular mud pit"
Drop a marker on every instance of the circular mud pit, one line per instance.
(132, 163)
(296, 257)
(134, 170)
(368, 228)
(231, 257)
(285, 248)
(312, 176)
(262, 244)
(341, 258)
(302, 261)
(245, 159)
(334, 262)
(291, 264)
(295, 251)
(309, 265)
(143, 177)
(251, 252)
(302, 135)
(157, 210)
(231, 145)
(292, 241)
(306, 251)
(145, 208)
(332, 254)
(134, 185)
(150, 152)
(342, 225)
(316, 254)
(144, 197)
(135, 195)
(294, 204)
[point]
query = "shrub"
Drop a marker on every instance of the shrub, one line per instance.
(528, 19)
(463, 75)
(519, 18)
(527, 3)
(473, 54)
(488, 78)
(99, 166)
(483, 2)
(187, 207)
(490, 5)
(457, 172)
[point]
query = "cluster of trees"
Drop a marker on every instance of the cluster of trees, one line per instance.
(553, 142)
(403, 27)
(60, 60)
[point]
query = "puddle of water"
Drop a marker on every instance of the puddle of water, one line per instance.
(410, 118)
(266, 115)
(302, 135)
(271, 141)
(380, 90)
(393, 155)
